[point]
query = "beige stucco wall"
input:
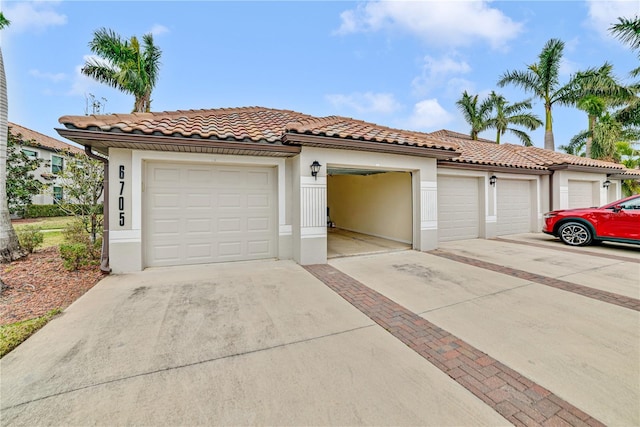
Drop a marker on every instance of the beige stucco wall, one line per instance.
(380, 204)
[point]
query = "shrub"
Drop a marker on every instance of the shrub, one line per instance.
(30, 237)
(42, 211)
(76, 233)
(74, 255)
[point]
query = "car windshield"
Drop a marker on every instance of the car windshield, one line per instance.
(633, 204)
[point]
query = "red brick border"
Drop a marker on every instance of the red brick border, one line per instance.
(597, 294)
(518, 399)
(565, 248)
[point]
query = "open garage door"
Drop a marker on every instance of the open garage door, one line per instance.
(195, 213)
(514, 206)
(458, 208)
(581, 194)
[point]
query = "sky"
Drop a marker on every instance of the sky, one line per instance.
(401, 64)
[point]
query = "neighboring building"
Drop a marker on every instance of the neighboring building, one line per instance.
(52, 151)
(203, 186)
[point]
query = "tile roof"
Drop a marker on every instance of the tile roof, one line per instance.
(487, 152)
(252, 124)
(36, 139)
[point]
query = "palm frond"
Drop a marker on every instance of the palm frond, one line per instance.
(627, 31)
(522, 136)
(549, 63)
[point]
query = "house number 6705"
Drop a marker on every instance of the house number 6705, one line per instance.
(121, 196)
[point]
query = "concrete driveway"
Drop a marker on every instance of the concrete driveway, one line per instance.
(269, 343)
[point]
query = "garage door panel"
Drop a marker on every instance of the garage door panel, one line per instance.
(458, 211)
(166, 175)
(580, 194)
(513, 206)
(227, 220)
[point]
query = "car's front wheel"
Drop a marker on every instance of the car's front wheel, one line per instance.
(575, 234)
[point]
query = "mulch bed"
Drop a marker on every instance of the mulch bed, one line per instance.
(39, 283)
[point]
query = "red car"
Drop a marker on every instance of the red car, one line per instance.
(617, 222)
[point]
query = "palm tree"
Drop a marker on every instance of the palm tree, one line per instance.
(9, 245)
(125, 66)
(542, 79)
(628, 32)
(516, 114)
(475, 115)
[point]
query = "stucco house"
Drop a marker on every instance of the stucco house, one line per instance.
(52, 151)
(204, 186)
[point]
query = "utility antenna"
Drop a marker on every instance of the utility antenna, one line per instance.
(91, 103)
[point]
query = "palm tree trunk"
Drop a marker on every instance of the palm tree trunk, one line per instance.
(549, 143)
(589, 142)
(498, 137)
(9, 246)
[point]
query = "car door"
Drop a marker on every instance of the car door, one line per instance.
(622, 224)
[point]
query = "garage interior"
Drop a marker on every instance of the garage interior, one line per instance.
(368, 211)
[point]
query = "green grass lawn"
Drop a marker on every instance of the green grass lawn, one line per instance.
(13, 334)
(53, 223)
(51, 229)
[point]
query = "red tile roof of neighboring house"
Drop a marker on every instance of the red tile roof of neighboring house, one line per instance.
(254, 124)
(36, 139)
(487, 152)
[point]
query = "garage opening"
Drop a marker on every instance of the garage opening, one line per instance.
(514, 206)
(368, 211)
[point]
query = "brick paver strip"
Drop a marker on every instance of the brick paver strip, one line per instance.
(518, 399)
(597, 294)
(565, 248)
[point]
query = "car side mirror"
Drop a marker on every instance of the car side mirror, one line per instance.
(617, 208)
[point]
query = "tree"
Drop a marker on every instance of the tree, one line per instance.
(125, 66)
(542, 79)
(475, 115)
(630, 157)
(9, 246)
(21, 183)
(628, 32)
(505, 115)
(81, 181)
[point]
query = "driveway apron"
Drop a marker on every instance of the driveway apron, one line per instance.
(227, 344)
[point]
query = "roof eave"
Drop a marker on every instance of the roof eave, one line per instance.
(492, 168)
(371, 146)
(102, 141)
(584, 168)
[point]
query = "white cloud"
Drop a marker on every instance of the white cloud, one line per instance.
(440, 23)
(603, 14)
(438, 72)
(568, 67)
(81, 84)
(367, 102)
(54, 77)
(429, 115)
(33, 16)
(158, 29)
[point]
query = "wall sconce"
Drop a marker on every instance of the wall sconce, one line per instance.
(315, 168)
(606, 184)
(492, 180)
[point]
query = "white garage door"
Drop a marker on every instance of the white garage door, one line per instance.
(580, 194)
(458, 211)
(198, 214)
(514, 206)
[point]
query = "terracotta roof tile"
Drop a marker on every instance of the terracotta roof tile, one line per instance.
(36, 139)
(487, 152)
(255, 124)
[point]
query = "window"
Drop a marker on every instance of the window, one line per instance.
(57, 164)
(57, 194)
(30, 153)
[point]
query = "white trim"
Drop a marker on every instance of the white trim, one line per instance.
(125, 236)
(492, 218)
(286, 230)
(428, 225)
(313, 232)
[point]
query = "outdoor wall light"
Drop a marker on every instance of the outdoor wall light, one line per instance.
(315, 168)
(492, 180)
(606, 184)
